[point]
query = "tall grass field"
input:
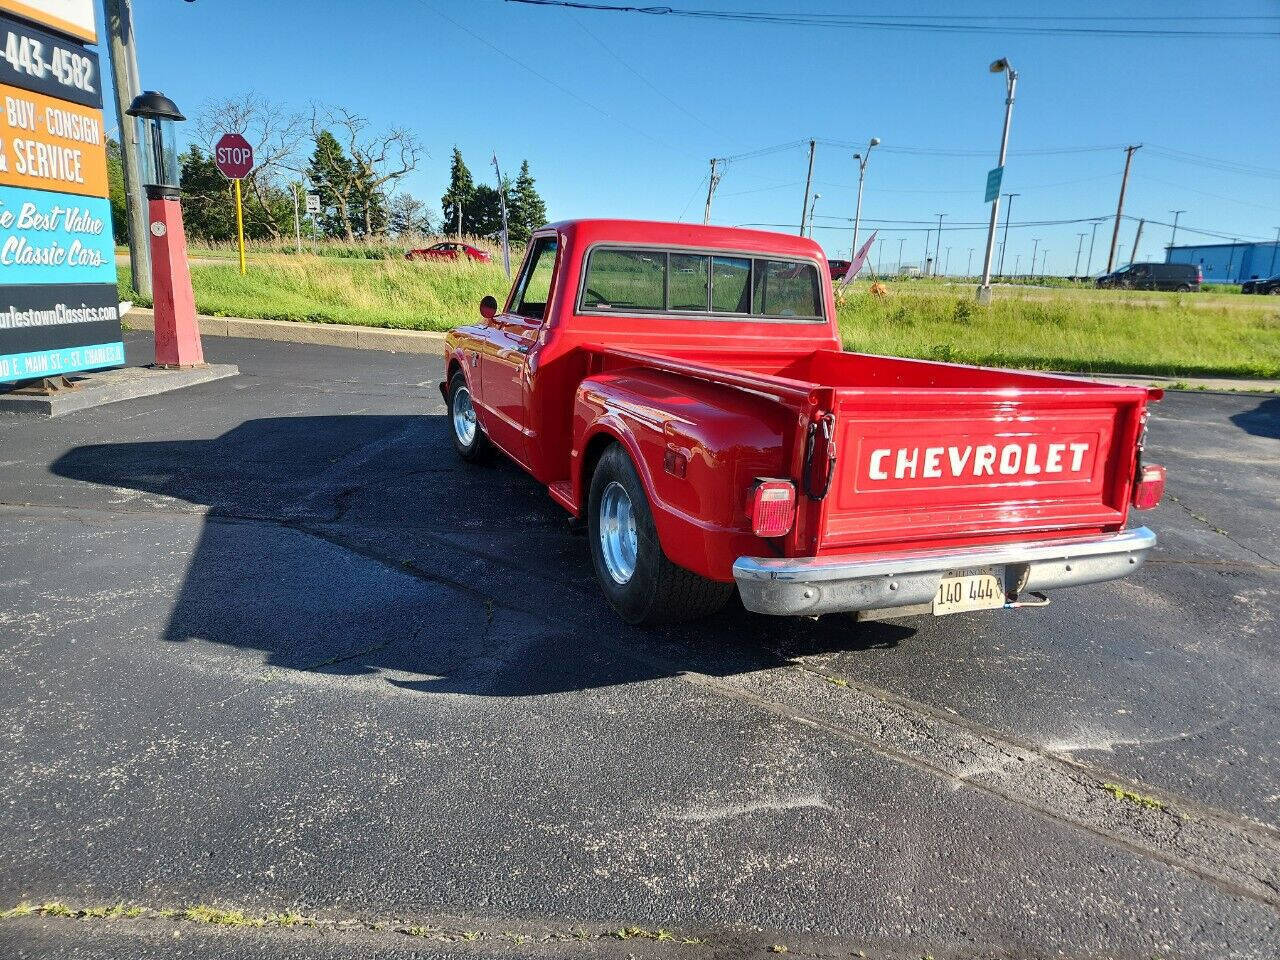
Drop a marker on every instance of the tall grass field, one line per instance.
(1047, 329)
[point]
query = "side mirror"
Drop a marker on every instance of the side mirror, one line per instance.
(488, 307)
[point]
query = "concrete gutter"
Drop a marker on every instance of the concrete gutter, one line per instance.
(429, 341)
(324, 334)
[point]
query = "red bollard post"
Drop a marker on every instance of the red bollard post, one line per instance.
(177, 333)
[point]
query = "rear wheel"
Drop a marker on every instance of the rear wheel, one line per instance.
(1184, 288)
(468, 437)
(637, 578)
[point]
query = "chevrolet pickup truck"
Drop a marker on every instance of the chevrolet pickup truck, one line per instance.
(682, 389)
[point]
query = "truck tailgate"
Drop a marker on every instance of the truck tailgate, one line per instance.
(937, 463)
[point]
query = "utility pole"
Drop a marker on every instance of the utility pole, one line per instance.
(937, 252)
(1017, 262)
(1124, 183)
(880, 256)
(1276, 246)
(1008, 211)
(711, 189)
(1044, 258)
(1231, 258)
(968, 270)
(901, 241)
(1088, 264)
(1034, 244)
(924, 264)
(124, 73)
(946, 264)
(1174, 235)
(1137, 239)
(1011, 86)
(1079, 250)
(808, 182)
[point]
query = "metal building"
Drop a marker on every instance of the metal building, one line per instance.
(1229, 262)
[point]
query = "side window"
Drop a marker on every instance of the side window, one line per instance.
(730, 285)
(535, 282)
(787, 289)
(687, 282)
(630, 279)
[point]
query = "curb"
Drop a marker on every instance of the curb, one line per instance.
(293, 331)
(95, 388)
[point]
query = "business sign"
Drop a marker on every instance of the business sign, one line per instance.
(75, 18)
(59, 306)
(994, 176)
(39, 61)
(51, 144)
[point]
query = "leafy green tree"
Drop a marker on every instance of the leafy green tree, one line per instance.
(526, 210)
(115, 184)
(483, 216)
(334, 177)
(407, 215)
(458, 197)
(208, 203)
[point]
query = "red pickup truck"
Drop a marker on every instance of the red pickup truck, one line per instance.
(683, 389)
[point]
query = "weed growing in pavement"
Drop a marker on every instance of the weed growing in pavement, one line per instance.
(1129, 796)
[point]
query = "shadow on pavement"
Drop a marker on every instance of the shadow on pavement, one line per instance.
(350, 545)
(1262, 421)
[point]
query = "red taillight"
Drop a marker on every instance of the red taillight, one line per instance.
(1199, 275)
(773, 508)
(1149, 488)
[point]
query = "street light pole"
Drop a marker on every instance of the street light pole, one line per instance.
(812, 207)
(808, 182)
(862, 173)
(1011, 85)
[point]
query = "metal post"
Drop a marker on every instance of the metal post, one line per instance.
(924, 263)
(1124, 183)
(711, 189)
(880, 256)
(1137, 239)
(901, 241)
(1044, 258)
(1174, 235)
(124, 72)
(1272, 271)
(1088, 264)
(1034, 245)
(297, 220)
(862, 173)
(1007, 213)
(1231, 258)
(1079, 250)
(1011, 88)
(808, 182)
(239, 225)
(1017, 262)
(812, 207)
(946, 264)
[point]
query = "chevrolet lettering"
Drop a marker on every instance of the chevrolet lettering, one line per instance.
(683, 392)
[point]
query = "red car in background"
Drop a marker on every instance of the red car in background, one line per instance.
(448, 250)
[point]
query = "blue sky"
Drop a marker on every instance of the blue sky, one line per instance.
(618, 114)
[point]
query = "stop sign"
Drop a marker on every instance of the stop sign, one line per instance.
(234, 156)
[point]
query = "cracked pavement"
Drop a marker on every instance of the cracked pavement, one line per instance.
(267, 644)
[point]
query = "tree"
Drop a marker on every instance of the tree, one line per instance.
(276, 134)
(407, 215)
(333, 175)
(208, 202)
(378, 162)
(526, 210)
(458, 197)
(115, 184)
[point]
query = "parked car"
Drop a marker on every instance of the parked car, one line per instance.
(710, 432)
(838, 268)
(1183, 277)
(1269, 285)
(448, 250)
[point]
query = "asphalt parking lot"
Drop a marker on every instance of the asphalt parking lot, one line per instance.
(267, 644)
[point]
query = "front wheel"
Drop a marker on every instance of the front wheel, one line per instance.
(468, 436)
(637, 578)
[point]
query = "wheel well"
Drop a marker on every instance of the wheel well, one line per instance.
(454, 367)
(596, 447)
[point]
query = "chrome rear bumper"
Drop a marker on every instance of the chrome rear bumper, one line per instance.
(807, 586)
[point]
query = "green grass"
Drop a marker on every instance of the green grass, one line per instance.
(1167, 335)
(1061, 329)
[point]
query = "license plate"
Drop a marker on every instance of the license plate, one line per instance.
(978, 591)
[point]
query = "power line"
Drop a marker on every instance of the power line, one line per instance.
(1045, 25)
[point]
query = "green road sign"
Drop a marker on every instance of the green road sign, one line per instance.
(994, 176)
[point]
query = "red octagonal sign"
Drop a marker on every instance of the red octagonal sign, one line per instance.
(234, 156)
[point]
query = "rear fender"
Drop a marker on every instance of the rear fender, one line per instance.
(697, 447)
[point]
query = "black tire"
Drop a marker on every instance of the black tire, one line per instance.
(1184, 289)
(477, 446)
(658, 591)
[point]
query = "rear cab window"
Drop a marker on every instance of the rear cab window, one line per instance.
(704, 284)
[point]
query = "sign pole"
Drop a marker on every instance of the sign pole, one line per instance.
(240, 225)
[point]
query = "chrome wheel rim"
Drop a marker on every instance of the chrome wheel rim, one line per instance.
(464, 417)
(618, 542)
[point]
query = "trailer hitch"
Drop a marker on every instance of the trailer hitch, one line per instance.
(824, 425)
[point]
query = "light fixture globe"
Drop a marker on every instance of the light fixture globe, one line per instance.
(155, 115)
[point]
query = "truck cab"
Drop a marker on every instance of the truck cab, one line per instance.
(683, 389)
